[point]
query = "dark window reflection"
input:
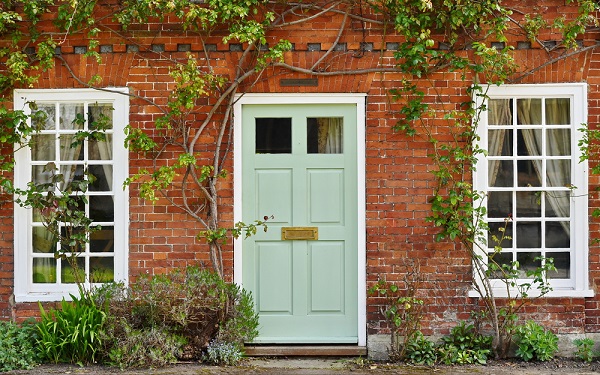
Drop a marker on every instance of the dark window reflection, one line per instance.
(273, 136)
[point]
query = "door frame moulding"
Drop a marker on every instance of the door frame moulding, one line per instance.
(333, 98)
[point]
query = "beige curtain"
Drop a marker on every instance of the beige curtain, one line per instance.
(330, 135)
(104, 148)
(499, 114)
(529, 112)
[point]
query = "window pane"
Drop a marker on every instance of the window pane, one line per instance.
(529, 111)
(500, 112)
(528, 262)
(43, 147)
(558, 142)
(557, 234)
(70, 149)
(43, 241)
(71, 117)
(529, 204)
(100, 116)
(71, 173)
(562, 262)
(101, 150)
(529, 142)
(500, 204)
(499, 261)
(44, 118)
(102, 208)
(500, 234)
(528, 172)
(529, 235)
(102, 180)
(102, 241)
(273, 136)
(44, 270)
(500, 173)
(325, 135)
(70, 275)
(102, 270)
(558, 111)
(68, 234)
(558, 173)
(558, 204)
(40, 174)
(500, 142)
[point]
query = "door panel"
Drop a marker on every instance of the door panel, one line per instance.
(299, 166)
(326, 275)
(275, 274)
(326, 196)
(274, 194)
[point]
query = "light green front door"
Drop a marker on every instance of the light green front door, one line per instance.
(299, 166)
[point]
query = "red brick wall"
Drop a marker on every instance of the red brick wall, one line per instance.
(398, 182)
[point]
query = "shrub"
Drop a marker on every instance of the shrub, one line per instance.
(465, 345)
(533, 341)
(585, 349)
(187, 308)
(150, 347)
(420, 351)
(18, 350)
(71, 334)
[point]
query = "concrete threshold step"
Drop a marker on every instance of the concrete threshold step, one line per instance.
(305, 350)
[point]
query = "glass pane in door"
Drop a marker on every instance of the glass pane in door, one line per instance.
(273, 136)
(325, 135)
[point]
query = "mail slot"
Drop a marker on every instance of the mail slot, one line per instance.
(299, 233)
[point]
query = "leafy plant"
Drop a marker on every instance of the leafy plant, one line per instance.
(71, 333)
(534, 342)
(420, 350)
(465, 345)
(18, 350)
(223, 353)
(147, 347)
(585, 349)
(187, 309)
(402, 309)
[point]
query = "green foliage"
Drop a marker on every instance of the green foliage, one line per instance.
(71, 334)
(534, 342)
(585, 349)
(403, 310)
(420, 350)
(465, 345)
(18, 349)
(240, 228)
(223, 353)
(185, 310)
(143, 348)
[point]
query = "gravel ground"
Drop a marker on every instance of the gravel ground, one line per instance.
(329, 366)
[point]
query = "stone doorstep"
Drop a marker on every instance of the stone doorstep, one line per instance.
(305, 350)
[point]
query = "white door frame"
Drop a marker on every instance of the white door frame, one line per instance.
(360, 101)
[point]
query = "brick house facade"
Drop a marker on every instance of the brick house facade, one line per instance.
(397, 179)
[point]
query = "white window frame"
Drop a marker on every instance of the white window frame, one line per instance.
(578, 284)
(24, 288)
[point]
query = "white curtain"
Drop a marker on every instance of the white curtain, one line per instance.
(500, 114)
(529, 112)
(330, 135)
(556, 172)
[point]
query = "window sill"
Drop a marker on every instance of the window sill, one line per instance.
(43, 297)
(501, 293)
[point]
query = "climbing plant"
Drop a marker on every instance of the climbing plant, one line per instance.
(467, 30)
(189, 143)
